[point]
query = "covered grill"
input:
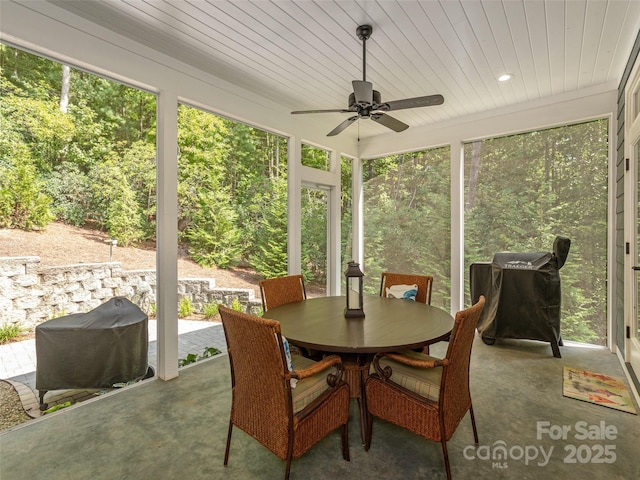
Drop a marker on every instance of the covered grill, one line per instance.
(98, 349)
(523, 295)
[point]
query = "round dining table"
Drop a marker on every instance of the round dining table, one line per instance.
(389, 325)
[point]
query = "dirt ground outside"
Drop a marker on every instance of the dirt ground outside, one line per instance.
(61, 244)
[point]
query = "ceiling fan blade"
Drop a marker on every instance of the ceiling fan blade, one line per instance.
(389, 122)
(415, 102)
(342, 126)
(336, 110)
(363, 92)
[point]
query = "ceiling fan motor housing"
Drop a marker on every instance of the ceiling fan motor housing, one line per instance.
(377, 99)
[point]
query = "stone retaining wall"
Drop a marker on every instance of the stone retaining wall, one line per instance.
(31, 294)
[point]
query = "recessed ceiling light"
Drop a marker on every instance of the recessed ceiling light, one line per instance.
(504, 77)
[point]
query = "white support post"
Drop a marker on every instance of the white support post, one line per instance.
(457, 226)
(167, 235)
(357, 213)
(334, 227)
(294, 218)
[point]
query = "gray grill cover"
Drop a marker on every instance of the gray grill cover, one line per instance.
(522, 292)
(93, 350)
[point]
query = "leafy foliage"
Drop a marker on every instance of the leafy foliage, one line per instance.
(185, 307)
(407, 218)
(213, 232)
(192, 357)
(115, 202)
(71, 192)
(210, 310)
(22, 205)
(531, 187)
(9, 331)
(57, 407)
(96, 164)
(270, 257)
(522, 191)
(314, 206)
(237, 305)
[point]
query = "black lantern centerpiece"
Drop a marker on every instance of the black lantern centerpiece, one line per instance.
(354, 291)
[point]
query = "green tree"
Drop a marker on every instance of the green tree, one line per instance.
(22, 203)
(30, 73)
(213, 232)
(40, 125)
(314, 242)
(270, 258)
(87, 159)
(97, 163)
(72, 193)
(203, 146)
(534, 186)
(346, 213)
(255, 160)
(139, 164)
(407, 211)
(115, 204)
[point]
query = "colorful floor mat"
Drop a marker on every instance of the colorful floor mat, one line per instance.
(597, 388)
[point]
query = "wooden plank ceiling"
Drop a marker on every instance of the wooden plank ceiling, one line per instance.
(304, 53)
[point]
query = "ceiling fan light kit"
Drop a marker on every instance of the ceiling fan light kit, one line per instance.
(366, 102)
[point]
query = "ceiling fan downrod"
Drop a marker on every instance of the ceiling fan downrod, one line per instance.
(364, 32)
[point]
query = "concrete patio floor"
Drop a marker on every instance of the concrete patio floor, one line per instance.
(178, 429)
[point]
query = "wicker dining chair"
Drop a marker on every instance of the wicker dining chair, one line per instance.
(424, 283)
(426, 395)
(281, 290)
(265, 404)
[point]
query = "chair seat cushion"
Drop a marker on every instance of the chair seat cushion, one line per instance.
(405, 292)
(287, 352)
(307, 389)
(422, 381)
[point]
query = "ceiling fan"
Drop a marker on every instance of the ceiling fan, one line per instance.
(366, 102)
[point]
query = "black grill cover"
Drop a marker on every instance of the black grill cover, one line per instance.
(522, 292)
(97, 349)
